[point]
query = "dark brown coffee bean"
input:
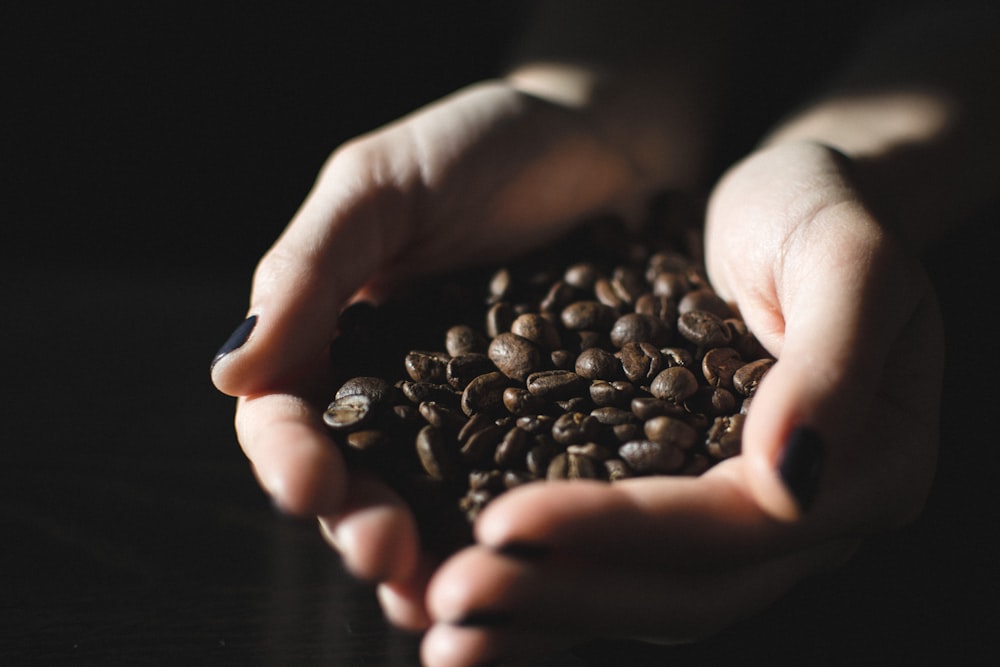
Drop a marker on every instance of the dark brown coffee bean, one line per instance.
(638, 328)
(725, 436)
(672, 285)
(463, 339)
(711, 401)
(485, 394)
(515, 478)
(744, 341)
(629, 283)
(474, 502)
(461, 369)
(574, 428)
(535, 424)
(617, 394)
(539, 456)
(436, 457)
(486, 480)
(672, 431)
(418, 392)
(747, 377)
(538, 329)
(598, 364)
(622, 433)
(442, 417)
(500, 284)
(591, 450)
(667, 261)
(499, 318)
(707, 300)
(695, 465)
(588, 316)
(377, 389)
(558, 297)
(571, 466)
(367, 440)
(511, 450)
(576, 404)
(349, 412)
(479, 448)
(520, 401)
(424, 366)
(640, 361)
(674, 384)
(704, 329)
(612, 416)
(647, 407)
(647, 457)
(677, 356)
(718, 366)
(616, 469)
(563, 360)
(515, 356)
(657, 306)
(556, 385)
(476, 422)
(582, 276)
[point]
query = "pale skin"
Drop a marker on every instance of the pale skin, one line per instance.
(818, 255)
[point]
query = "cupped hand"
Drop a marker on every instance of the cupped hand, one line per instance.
(840, 441)
(486, 173)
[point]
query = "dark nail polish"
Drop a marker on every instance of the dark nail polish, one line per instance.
(523, 550)
(481, 619)
(237, 338)
(801, 464)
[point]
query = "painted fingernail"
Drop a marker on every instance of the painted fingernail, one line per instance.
(484, 619)
(801, 464)
(237, 338)
(523, 550)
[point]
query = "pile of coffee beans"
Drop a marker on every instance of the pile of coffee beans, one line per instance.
(606, 357)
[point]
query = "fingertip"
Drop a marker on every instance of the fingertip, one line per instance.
(222, 366)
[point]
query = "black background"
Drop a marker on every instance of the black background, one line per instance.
(152, 152)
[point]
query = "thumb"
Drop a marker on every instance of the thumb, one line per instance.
(844, 293)
(330, 250)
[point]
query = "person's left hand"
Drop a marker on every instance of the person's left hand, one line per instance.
(841, 441)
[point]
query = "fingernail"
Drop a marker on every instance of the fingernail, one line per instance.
(801, 464)
(523, 550)
(481, 619)
(237, 338)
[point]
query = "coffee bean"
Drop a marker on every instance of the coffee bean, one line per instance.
(647, 407)
(582, 276)
(575, 427)
(348, 412)
(706, 300)
(616, 469)
(367, 440)
(640, 361)
(499, 318)
(436, 456)
(538, 329)
(511, 449)
(485, 394)
(515, 356)
(598, 364)
(674, 384)
(588, 316)
(639, 328)
(377, 389)
(719, 364)
(672, 431)
(423, 366)
(725, 436)
(704, 329)
(617, 394)
(647, 457)
(556, 385)
(463, 339)
(445, 419)
(748, 376)
(461, 369)
(520, 401)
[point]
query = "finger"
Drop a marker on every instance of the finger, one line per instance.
(374, 532)
(484, 589)
(403, 601)
(689, 522)
(336, 242)
(448, 645)
(293, 457)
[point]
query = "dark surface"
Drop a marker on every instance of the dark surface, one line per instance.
(133, 530)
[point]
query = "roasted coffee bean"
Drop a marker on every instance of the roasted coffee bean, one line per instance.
(367, 440)
(485, 394)
(480, 446)
(476, 422)
(608, 295)
(377, 389)
(704, 329)
(674, 384)
(474, 502)
(612, 416)
(639, 328)
(500, 284)
(629, 283)
(707, 300)
(677, 356)
(670, 284)
(556, 385)
(515, 356)
(436, 456)
(711, 401)
(424, 366)
(535, 424)
(725, 436)
(616, 469)
(582, 276)
(748, 376)
(349, 412)
(588, 316)
(746, 343)
(572, 466)
(486, 480)
(499, 318)
(511, 449)
(574, 428)
(598, 364)
(463, 339)
(576, 404)
(520, 401)
(667, 261)
(672, 431)
(539, 456)
(563, 360)
(539, 330)
(558, 297)
(640, 361)
(617, 394)
(515, 478)
(624, 432)
(591, 450)
(719, 364)
(648, 457)
(695, 465)
(662, 307)
(418, 392)
(442, 417)
(461, 369)
(647, 407)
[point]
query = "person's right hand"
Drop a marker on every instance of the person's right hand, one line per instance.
(486, 173)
